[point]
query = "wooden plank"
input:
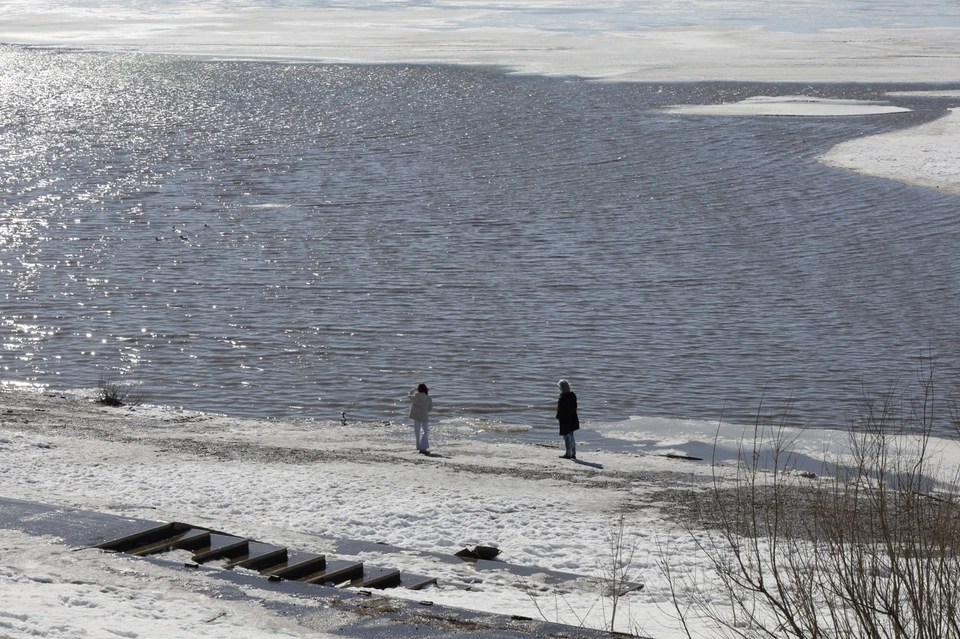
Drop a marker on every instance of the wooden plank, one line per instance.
(196, 543)
(263, 562)
(630, 588)
(155, 547)
(157, 534)
(421, 582)
(347, 573)
(184, 540)
(297, 571)
(230, 551)
(389, 579)
(683, 457)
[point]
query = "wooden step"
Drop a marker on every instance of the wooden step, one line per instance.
(190, 540)
(197, 543)
(300, 570)
(157, 535)
(262, 562)
(348, 572)
(155, 547)
(380, 579)
(418, 582)
(269, 560)
(237, 550)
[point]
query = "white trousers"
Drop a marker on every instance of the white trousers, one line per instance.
(423, 442)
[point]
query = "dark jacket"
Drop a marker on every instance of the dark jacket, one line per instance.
(567, 413)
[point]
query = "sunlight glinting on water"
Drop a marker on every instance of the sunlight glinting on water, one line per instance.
(299, 240)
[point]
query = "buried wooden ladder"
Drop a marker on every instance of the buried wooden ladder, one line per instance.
(273, 562)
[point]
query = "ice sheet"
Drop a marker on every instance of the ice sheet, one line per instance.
(740, 41)
(927, 155)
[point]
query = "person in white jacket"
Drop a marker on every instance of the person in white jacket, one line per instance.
(420, 413)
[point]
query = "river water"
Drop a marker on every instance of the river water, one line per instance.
(297, 240)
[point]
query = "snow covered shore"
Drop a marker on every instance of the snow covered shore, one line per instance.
(301, 483)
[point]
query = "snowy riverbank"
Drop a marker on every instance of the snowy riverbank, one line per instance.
(303, 483)
(300, 483)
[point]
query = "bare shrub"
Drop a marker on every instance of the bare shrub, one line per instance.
(113, 393)
(618, 574)
(870, 549)
(619, 571)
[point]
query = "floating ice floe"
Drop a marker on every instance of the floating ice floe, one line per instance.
(927, 155)
(790, 105)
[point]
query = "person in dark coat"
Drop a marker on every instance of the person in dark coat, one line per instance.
(567, 416)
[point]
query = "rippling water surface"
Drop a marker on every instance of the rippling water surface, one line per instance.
(296, 240)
